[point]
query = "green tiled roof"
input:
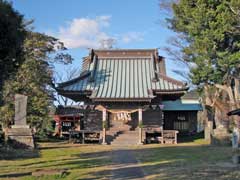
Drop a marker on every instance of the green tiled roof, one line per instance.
(122, 78)
(179, 106)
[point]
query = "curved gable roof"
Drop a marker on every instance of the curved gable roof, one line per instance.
(123, 77)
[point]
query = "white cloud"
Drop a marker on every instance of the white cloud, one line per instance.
(103, 20)
(132, 36)
(91, 33)
(84, 32)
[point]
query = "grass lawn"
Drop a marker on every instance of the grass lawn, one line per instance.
(193, 160)
(80, 162)
(188, 161)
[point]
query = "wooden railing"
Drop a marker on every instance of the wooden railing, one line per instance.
(170, 136)
(84, 135)
(161, 136)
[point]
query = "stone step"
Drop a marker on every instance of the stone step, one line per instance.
(120, 127)
(122, 132)
(128, 135)
(119, 133)
(124, 143)
(126, 138)
(19, 132)
(117, 130)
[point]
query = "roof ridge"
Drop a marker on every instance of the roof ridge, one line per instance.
(154, 49)
(80, 77)
(123, 57)
(171, 79)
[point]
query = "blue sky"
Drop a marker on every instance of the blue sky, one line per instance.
(83, 24)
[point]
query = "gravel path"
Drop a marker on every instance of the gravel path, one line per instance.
(125, 165)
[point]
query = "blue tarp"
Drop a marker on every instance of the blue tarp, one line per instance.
(179, 106)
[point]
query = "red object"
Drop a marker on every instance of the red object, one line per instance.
(65, 118)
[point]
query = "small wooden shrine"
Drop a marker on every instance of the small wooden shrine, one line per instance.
(67, 119)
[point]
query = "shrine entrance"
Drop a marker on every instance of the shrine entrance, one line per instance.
(124, 120)
(121, 125)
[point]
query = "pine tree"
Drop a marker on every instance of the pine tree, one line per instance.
(210, 40)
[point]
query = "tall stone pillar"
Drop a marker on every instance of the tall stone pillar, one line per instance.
(20, 132)
(140, 125)
(104, 126)
(208, 130)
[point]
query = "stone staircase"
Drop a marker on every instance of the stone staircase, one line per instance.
(120, 134)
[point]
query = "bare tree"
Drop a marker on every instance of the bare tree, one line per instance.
(176, 42)
(107, 43)
(69, 73)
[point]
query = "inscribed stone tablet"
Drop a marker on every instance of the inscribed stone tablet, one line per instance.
(20, 109)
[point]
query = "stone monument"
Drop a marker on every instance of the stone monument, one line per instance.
(235, 138)
(235, 146)
(208, 130)
(20, 131)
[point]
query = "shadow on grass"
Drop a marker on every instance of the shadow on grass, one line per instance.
(190, 138)
(15, 175)
(157, 162)
(9, 153)
(172, 162)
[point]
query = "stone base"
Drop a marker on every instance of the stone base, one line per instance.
(220, 137)
(236, 159)
(21, 136)
(20, 126)
(208, 131)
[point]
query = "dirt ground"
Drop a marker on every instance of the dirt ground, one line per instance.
(60, 160)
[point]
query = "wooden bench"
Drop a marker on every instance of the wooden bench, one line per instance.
(169, 136)
(85, 135)
(150, 132)
(163, 137)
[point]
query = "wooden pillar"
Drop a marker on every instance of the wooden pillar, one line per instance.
(104, 124)
(175, 138)
(161, 124)
(161, 120)
(140, 124)
(70, 137)
(60, 128)
(83, 137)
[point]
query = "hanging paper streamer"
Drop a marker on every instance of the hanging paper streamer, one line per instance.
(122, 116)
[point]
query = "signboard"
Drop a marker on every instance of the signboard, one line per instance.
(66, 126)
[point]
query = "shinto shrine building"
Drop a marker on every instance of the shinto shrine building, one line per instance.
(125, 93)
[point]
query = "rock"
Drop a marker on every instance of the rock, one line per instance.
(236, 159)
(220, 136)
